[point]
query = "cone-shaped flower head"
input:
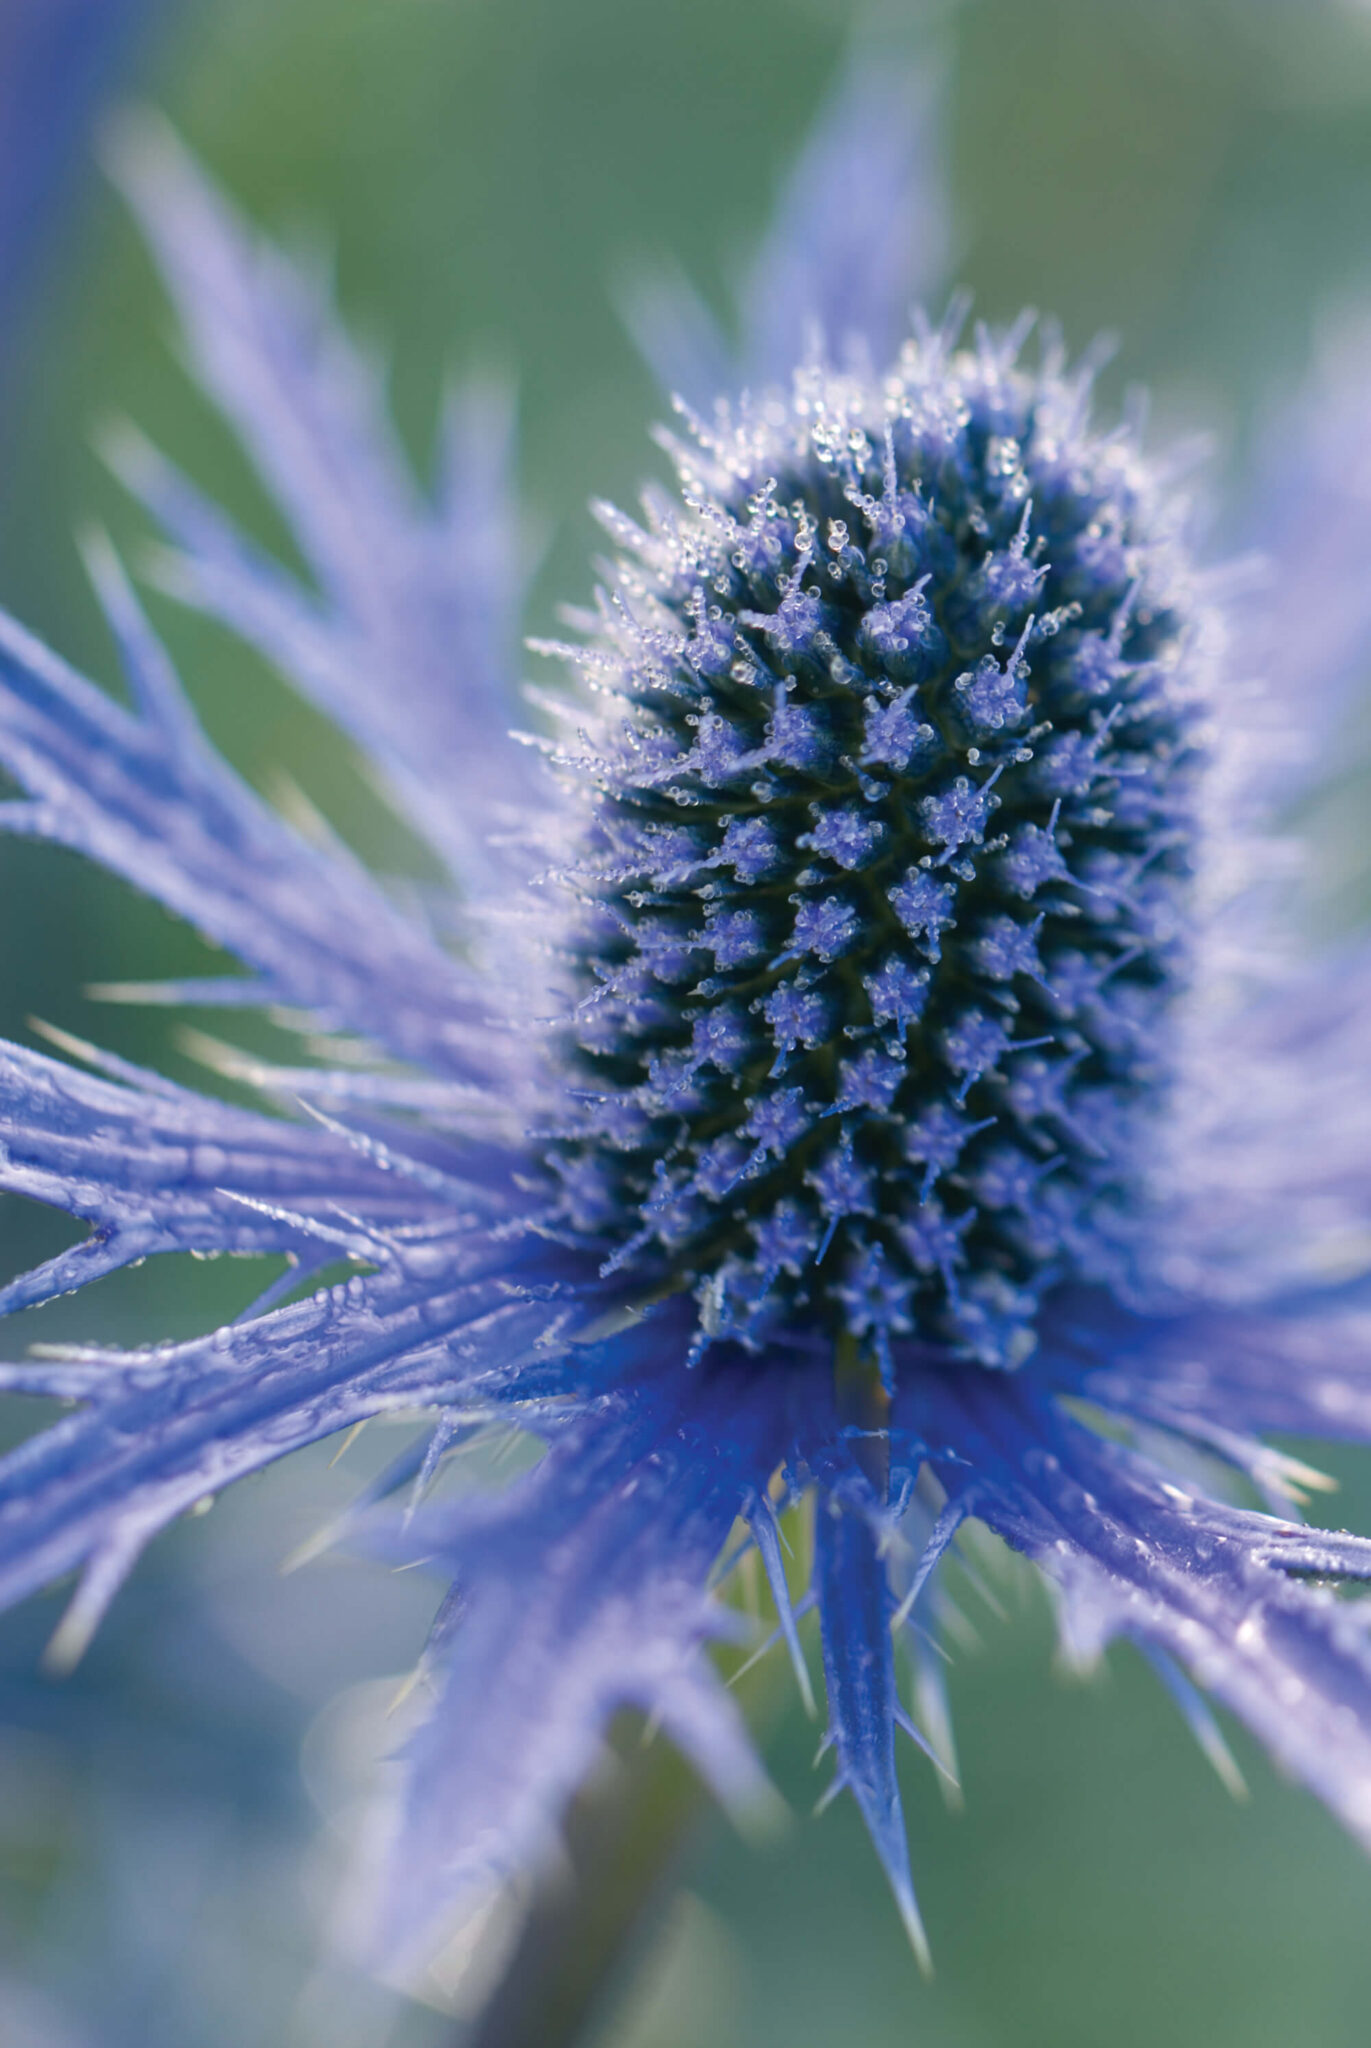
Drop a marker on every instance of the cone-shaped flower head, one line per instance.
(890, 840)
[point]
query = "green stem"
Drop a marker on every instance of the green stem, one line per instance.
(863, 1404)
(622, 1836)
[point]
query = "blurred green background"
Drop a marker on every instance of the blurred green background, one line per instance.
(1195, 174)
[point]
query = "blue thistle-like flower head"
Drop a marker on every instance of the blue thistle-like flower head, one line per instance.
(889, 841)
(917, 1063)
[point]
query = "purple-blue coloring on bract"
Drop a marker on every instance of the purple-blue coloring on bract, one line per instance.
(866, 1051)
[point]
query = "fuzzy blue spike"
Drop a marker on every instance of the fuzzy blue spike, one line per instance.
(1198, 1719)
(165, 1170)
(1220, 1590)
(855, 1607)
(583, 1593)
(860, 232)
(427, 596)
(762, 1522)
(148, 798)
(161, 1429)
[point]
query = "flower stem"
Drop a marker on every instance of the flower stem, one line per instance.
(864, 1406)
(622, 1835)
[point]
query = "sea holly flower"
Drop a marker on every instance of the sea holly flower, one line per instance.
(866, 1046)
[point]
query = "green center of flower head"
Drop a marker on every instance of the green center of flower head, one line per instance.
(888, 845)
